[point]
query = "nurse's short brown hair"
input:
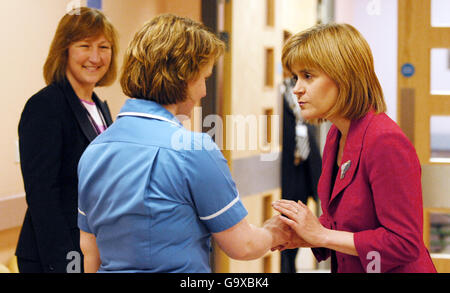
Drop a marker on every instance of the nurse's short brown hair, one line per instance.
(340, 51)
(166, 53)
(76, 25)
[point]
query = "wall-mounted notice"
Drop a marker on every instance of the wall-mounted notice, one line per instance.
(97, 4)
(408, 70)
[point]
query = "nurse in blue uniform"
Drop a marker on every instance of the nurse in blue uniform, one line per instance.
(151, 193)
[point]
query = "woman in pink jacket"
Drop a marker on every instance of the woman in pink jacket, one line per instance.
(370, 187)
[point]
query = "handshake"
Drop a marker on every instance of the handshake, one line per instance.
(295, 226)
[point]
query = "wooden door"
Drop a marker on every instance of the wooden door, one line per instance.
(416, 103)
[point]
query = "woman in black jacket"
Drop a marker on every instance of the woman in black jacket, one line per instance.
(56, 126)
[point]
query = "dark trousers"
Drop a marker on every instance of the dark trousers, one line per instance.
(29, 266)
(288, 260)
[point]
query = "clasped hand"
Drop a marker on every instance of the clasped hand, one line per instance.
(299, 226)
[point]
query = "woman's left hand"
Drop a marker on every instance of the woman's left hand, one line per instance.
(300, 218)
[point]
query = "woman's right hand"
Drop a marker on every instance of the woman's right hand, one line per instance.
(301, 220)
(295, 241)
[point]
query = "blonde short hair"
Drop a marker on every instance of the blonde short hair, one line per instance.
(340, 51)
(166, 53)
(74, 26)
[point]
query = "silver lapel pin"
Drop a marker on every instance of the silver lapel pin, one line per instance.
(344, 168)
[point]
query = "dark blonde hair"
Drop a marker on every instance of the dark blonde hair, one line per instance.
(166, 53)
(74, 26)
(340, 51)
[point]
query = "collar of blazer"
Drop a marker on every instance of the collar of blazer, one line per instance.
(350, 157)
(80, 112)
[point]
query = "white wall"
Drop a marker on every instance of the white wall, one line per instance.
(298, 15)
(377, 21)
(26, 31)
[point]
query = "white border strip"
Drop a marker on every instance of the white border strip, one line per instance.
(440, 255)
(223, 210)
(440, 160)
(81, 212)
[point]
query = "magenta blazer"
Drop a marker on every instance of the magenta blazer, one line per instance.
(377, 195)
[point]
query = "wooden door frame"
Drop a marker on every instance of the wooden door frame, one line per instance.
(219, 92)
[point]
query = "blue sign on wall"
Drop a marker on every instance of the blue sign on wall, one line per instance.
(408, 70)
(97, 4)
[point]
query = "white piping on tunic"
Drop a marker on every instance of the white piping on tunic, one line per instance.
(138, 114)
(81, 212)
(223, 210)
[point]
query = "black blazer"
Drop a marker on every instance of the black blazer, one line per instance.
(54, 130)
(298, 182)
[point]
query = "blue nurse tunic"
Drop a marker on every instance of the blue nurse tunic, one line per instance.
(152, 193)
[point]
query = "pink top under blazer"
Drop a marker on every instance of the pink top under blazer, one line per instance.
(378, 197)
